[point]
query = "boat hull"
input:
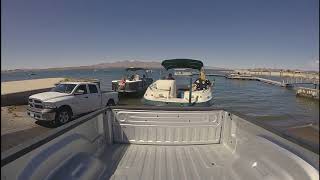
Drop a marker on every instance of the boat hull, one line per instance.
(133, 88)
(124, 93)
(175, 104)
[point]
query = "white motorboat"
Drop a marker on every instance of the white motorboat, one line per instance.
(165, 92)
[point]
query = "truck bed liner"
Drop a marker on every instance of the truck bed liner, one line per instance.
(171, 162)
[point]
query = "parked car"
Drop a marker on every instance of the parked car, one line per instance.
(69, 99)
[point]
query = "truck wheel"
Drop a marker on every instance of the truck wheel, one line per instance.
(111, 103)
(63, 116)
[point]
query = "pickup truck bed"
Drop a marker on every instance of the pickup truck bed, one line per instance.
(160, 143)
(172, 162)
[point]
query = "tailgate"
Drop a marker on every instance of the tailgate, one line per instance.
(166, 127)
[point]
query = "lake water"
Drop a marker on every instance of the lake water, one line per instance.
(276, 106)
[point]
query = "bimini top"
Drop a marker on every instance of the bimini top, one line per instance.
(134, 69)
(182, 63)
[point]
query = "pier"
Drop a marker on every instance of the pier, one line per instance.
(242, 77)
(246, 77)
(212, 74)
(285, 83)
(277, 83)
(300, 91)
(219, 75)
(288, 83)
(281, 73)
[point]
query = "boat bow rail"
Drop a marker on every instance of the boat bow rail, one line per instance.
(160, 143)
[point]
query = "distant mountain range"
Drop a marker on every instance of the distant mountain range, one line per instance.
(125, 64)
(118, 64)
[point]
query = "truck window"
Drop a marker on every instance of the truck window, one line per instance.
(64, 88)
(82, 88)
(93, 88)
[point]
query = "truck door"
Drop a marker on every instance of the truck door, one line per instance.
(94, 97)
(81, 104)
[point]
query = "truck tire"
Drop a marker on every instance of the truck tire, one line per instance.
(63, 116)
(111, 102)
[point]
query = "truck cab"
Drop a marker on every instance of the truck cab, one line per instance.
(68, 100)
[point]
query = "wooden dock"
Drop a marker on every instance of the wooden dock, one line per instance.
(308, 92)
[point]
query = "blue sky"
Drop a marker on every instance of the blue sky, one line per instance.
(222, 33)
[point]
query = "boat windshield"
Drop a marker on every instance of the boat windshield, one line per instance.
(182, 77)
(64, 88)
(136, 75)
(182, 81)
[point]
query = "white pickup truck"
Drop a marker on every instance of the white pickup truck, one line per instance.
(143, 143)
(69, 99)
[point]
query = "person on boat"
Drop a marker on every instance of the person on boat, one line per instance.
(122, 83)
(136, 77)
(143, 80)
(170, 77)
(132, 77)
(201, 83)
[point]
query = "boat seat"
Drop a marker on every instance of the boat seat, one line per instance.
(165, 84)
(166, 88)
